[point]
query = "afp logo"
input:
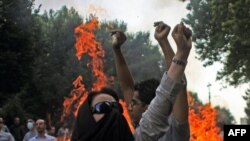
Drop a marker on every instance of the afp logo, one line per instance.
(236, 132)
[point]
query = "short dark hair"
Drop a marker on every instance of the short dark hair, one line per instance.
(105, 90)
(146, 89)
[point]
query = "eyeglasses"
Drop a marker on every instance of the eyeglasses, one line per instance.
(106, 107)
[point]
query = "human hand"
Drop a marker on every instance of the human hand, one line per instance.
(118, 38)
(161, 31)
(182, 36)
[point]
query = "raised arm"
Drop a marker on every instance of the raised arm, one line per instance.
(153, 123)
(161, 35)
(123, 73)
(180, 109)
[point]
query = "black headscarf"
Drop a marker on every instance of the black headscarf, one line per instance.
(112, 127)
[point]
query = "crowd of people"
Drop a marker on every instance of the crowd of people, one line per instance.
(33, 131)
(159, 109)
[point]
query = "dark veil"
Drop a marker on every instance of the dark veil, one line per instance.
(112, 127)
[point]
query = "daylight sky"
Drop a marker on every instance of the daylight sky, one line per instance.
(140, 16)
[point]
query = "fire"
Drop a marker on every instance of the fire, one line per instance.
(126, 115)
(86, 44)
(202, 119)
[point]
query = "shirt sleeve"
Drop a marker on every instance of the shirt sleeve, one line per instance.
(153, 123)
(177, 131)
(12, 138)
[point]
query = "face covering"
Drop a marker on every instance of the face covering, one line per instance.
(30, 125)
(112, 127)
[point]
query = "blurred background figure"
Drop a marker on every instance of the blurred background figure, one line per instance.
(17, 130)
(32, 130)
(4, 127)
(41, 132)
(52, 131)
(63, 132)
(4, 136)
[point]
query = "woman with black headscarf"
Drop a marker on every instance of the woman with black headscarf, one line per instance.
(100, 119)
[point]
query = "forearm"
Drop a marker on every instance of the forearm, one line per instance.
(167, 51)
(180, 109)
(124, 75)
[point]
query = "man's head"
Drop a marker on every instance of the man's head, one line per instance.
(1, 123)
(143, 95)
(41, 126)
(16, 120)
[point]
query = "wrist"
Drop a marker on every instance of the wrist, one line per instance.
(179, 62)
(163, 40)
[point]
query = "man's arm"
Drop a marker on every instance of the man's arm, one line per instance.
(153, 123)
(180, 109)
(161, 35)
(123, 73)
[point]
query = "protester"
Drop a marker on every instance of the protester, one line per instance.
(32, 130)
(100, 118)
(41, 132)
(139, 96)
(4, 136)
(17, 130)
(4, 127)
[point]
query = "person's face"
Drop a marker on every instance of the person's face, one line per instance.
(101, 98)
(30, 124)
(17, 121)
(136, 107)
(1, 123)
(40, 126)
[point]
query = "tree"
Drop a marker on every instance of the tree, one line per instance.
(16, 52)
(221, 34)
(247, 109)
(56, 65)
(224, 117)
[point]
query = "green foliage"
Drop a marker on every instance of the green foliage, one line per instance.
(247, 109)
(16, 48)
(56, 65)
(12, 109)
(221, 32)
(224, 116)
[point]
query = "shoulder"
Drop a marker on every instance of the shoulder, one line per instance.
(49, 137)
(6, 134)
(32, 139)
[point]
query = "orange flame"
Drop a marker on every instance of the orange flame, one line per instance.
(126, 115)
(202, 119)
(87, 44)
